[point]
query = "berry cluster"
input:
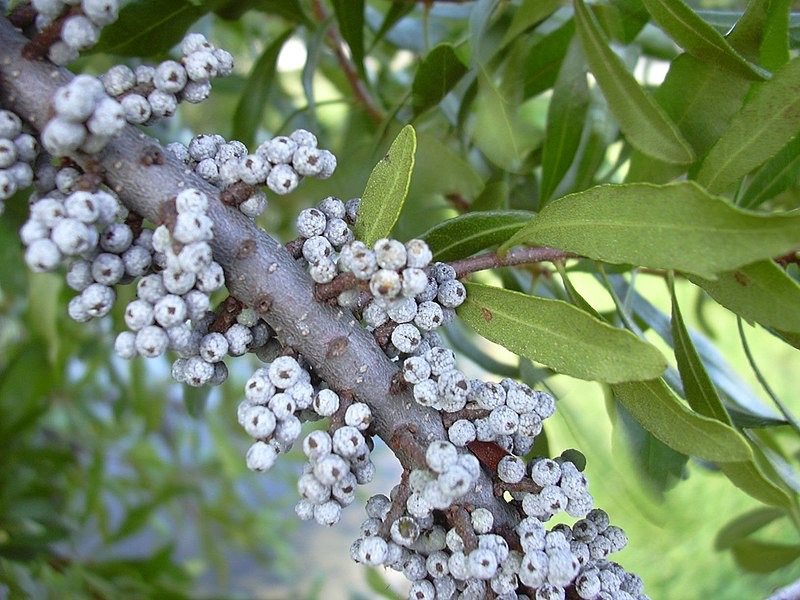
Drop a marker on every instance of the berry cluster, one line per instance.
(279, 163)
(147, 93)
(86, 118)
(18, 150)
(278, 398)
(78, 26)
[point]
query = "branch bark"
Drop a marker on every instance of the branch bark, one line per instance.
(258, 269)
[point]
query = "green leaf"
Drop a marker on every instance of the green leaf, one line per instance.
(742, 526)
(395, 12)
(703, 397)
(529, 13)
(494, 196)
(498, 131)
(195, 399)
(775, 45)
(701, 99)
(778, 174)
(467, 234)
(380, 586)
(699, 38)
(148, 27)
(437, 74)
(350, 16)
(763, 126)
(290, 10)
(559, 335)
(253, 102)
(644, 123)
(545, 57)
(440, 169)
(565, 119)
(656, 407)
(686, 228)
(764, 557)
(697, 385)
(760, 292)
(387, 189)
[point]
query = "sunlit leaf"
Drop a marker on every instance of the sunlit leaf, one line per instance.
(559, 335)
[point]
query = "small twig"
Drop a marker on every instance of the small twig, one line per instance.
(787, 414)
(23, 16)
(526, 485)
(470, 414)
(39, 45)
(458, 201)
(135, 222)
(295, 247)
(403, 439)
(226, 315)
(398, 507)
(332, 289)
(336, 43)
(792, 257)
(337, 418)
(237, 193)
(515, 256)
(459, 519)
(383, 333)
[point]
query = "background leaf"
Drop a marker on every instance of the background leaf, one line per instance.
(687, 229)
(764, 557)
(763, 126)
(387, 188)
(148, 27)
(350, 17)
(644, 123)
(437, 74)
(251, 106)
(699, 38)
(559, 335)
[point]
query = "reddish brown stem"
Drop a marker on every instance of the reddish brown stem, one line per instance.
(515, 256)
(332, 289)
(398, 507)
(470, 414)
(226, 315)
(39, 45)
(459, 519)
(356, 83)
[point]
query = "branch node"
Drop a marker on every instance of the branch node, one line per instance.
(336, 347)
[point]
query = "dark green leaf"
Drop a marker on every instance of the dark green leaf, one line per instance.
(763, 557)
(701, 99)
(437, 74)
(387, 189)
(396, 11)
(195, 400)
(565, 119)
(686, 228)
(778, 174)
(697, 385)
(760, 292)
(288, 9)
(529, 13)
(148, 27)
(699, 38)
(545, 57)
(745, 34)
(493, 197)
(645, 124)
(253, 100)
(559, 336)
(656, 407)
(763, 126)
(350, 16)
(467, 234)
(775, 45)
(742, 526)
(702, 396)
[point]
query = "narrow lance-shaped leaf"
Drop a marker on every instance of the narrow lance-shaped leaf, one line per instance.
(350, 17)
(763, 126)
(685, 228)
(703, 397)
(559, 335)
(437, 74)
(760, 292)
(764, 557)
(644, 123)
(253, 101)
(742, 526)
(529, 13)
(656, 407)
(566, 116)
(778, 174)
(148, 27)
(699, 38)
(387, 189)
(545, 57)
(466, 234)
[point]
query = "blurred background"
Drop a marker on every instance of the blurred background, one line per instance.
(116, 482)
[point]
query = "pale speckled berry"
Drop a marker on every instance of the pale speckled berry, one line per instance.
(282, 179)
(462, 432)
(261, 456)
(211, 278)
(239, 338)
(125, 345)
(326, 402)
(358, 415)
(151, 341)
